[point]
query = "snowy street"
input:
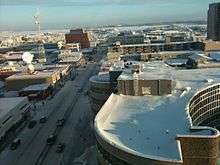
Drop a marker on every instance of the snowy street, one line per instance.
(71, 103)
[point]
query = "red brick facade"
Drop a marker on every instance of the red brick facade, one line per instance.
(78, 36)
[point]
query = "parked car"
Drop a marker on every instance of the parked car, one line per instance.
(15, 144)
(60, 147)
(31, 124)
(51, 139)
(43, 119)
(60, 122)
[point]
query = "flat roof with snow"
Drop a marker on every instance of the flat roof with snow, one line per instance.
(148, 125)
(35, 75)
(36, 87)
(9, 103)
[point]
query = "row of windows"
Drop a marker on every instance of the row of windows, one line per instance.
(213, 121)
(202, 94)
(157, 48)
(209, 97)
(214, 124)
(200, 118)
(210, 94)
(196, 99)
(205, 107)
(203, 103)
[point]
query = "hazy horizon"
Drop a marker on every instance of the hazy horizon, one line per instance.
(56, 14)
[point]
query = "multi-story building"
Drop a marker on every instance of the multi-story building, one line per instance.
(165, 55)
(78, 36)
(157, 47)
(214, 22)
(161, 116)
(51, 74)
(127, 39)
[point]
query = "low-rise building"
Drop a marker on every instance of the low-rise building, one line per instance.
(13, 56)
(12, 111)
(37, 91)
(70, 57)
(164, 55)
(158, 47)
(125, 39)
(49, 75)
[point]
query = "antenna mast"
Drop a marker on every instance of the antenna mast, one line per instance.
(41, 50)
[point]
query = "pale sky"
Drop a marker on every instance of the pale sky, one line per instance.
(18, 14)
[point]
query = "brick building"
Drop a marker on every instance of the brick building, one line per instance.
(78, 36)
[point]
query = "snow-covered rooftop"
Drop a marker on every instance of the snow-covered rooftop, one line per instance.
(36, 87)
(7, 104)
(35, 75)
(70, 56)
(148, 125)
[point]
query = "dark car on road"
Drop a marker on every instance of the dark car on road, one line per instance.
(60, 122)
(15, 144)
(60, 147)
(43, 119)
(51, 139)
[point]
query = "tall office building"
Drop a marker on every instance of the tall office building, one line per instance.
(214, 22)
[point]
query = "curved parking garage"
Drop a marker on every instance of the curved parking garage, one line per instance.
(128, 143)
(204, 107)
(162, 129)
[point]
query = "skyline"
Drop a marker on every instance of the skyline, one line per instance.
(85, 13)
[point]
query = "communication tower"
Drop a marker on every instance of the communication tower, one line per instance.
(40, 49)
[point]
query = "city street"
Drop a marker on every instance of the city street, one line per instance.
(71, 103)
(102, 82)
